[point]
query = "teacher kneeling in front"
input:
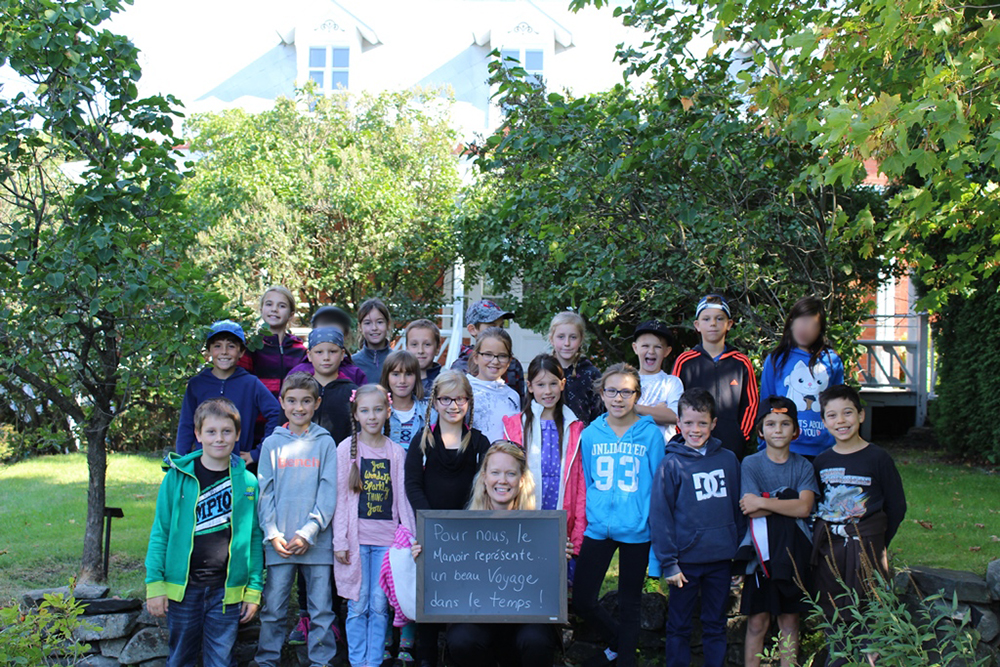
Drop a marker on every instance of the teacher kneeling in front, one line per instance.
(502, 483)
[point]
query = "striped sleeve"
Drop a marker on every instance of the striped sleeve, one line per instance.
(751, 397)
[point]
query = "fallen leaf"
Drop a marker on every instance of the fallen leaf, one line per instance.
(72, 520)
(139, 496)
(925, 524)
(687, 103)
(975, 548)
(995, 538)
(4, 552)
(980, 525)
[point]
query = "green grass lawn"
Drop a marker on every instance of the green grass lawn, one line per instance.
(44, 508)
(44, 503)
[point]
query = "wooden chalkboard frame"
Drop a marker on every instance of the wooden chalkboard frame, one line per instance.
(557, 517)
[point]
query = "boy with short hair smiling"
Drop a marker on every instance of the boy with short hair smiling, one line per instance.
(331, 316)
(205, 554)
(652, 343)
(298, 496)
(724, 371)
(778, 493)
(225, 344)
(326, 353)
(861, 504)
(695, 523)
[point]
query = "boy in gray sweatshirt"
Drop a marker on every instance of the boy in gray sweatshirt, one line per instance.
(298, 495)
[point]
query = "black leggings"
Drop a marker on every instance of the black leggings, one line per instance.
(591, 566)
(482, 644)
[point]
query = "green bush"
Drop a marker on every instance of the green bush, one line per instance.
(966, 414)
(36, 636)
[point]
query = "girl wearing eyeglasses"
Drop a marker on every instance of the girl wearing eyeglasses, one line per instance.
(488, 365)
(621, 451)
(441, 464)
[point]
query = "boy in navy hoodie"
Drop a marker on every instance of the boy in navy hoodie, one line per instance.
(696, 524)
(225, 344)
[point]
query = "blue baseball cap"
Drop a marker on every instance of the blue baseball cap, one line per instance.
(226, 326)
(721, 304)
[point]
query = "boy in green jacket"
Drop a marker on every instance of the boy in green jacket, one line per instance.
(206, 552)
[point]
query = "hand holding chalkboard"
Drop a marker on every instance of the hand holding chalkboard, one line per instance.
(503, 566)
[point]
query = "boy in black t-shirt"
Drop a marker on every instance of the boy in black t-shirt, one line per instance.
(204, 567)
(861, 503)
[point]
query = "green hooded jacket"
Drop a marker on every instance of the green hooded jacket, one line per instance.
(172, 537)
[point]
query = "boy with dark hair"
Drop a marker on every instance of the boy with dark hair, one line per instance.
(479, 317)
(861, 503)
(298, 496)
(205, 555)
(778, 493)
(225, 344)
(695, 523)
(724, 371)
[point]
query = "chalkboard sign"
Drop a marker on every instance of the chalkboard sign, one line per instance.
(491, 567)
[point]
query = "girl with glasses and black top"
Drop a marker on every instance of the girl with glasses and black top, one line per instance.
(441, 465)
(621, 452)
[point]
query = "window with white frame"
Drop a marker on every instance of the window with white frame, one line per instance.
(532, 60)
(329, 66)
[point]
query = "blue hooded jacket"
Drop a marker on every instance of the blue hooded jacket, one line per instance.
(249, 395)
(619, 476)
(695, 508)
(802, 385)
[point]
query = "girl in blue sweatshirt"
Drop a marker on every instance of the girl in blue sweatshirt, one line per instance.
(620, 452)
(799, 368)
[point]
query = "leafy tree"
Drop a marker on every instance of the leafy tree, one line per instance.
(97, 291)
(340, 197)
(912, 85)
(633, 203)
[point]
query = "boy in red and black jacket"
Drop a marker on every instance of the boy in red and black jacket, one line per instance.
(724, 371)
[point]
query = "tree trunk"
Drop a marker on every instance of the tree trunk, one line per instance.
(96, 429)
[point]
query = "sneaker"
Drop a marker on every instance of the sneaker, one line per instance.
(405, 656)
(299, 636)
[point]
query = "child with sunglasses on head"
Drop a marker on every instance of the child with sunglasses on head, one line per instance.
(621, 451)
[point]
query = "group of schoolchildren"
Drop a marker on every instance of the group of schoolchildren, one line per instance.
(308, 462)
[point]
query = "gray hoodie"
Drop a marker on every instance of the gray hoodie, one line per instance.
(298, 492)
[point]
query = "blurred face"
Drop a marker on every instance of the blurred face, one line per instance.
(620, 393)
(218, 436)
(651, 351)
(480, 327)
(224, 353)
(805, 330)
(566, 341)
(452, 406)
(299, 406)
(492, 359)
(375, 328)
(336, 324)
(371, 411)
(401, 382)
(696, 427)
(842, 419)
(546, 389)
(778, 430)
(275, 311)
(326, 358)
(420, 343)
(713, 324)
(503, 479)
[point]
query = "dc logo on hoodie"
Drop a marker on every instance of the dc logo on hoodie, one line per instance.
(709, 484)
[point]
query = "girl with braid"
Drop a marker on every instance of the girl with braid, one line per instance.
(371, 503)
(441, 464)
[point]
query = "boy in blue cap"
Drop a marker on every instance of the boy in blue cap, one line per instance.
(225, 344)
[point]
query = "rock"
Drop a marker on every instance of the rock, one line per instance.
(610, 603)
(653, 612)
(90, 591)
(112, 626)
(986, 623)
(98, 661)
(157, 662)
(145, 618)
(110, 606)
(993, 579)
(113, 647)
(579, 651)
(35, 597)
(968, 586)
(145, 645)
(901, 582)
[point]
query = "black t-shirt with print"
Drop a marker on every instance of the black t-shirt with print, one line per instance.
(213, 527)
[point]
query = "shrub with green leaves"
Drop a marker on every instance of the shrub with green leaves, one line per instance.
(35, 636)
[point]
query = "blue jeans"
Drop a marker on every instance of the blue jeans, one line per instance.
(368, 618)
(322, 645)
(201, 623)
(712, 581)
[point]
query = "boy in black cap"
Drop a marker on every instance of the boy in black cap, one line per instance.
(480, 316)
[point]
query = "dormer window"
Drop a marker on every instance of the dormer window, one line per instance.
(532, 60)
(329, 67)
